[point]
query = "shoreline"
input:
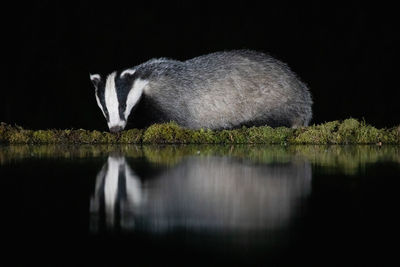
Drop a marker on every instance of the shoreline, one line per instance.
(349, 131)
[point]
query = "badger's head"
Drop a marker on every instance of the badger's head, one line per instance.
(116, 95)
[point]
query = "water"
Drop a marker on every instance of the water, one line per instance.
(200, 205)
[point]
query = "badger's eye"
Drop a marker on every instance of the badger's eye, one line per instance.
(122, 108)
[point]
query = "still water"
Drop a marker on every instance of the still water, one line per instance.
(247, 205)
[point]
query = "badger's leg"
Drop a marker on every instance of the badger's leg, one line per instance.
(298, 122)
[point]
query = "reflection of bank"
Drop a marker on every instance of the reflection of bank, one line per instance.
(214, 193)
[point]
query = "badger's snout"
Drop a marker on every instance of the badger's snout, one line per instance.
(116, 129)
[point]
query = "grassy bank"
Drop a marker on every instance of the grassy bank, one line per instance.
(350, 131)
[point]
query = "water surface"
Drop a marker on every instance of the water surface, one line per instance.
(247, 205)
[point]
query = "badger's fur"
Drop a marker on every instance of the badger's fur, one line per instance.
(221, 90)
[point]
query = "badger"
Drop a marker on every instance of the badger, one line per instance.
(205, 192)
(221, 90)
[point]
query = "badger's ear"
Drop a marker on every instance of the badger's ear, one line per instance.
(127, 73)
(95, 78)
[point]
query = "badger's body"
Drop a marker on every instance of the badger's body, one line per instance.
(217, 91)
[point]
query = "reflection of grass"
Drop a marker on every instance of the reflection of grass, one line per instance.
(348, 159)
(349, 131)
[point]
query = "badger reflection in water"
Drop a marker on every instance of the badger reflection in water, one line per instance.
(203, 192)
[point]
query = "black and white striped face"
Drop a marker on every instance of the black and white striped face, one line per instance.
(116, 95)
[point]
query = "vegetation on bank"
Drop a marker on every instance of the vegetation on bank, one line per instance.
(349, 131)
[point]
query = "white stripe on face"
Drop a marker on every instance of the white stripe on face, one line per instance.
(134, 94)
(99, 104)
(112, 104)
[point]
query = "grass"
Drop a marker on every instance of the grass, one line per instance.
(349, 131)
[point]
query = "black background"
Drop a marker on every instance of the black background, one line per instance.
(345, 53)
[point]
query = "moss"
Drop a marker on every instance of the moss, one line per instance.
(236, 136)
(392, 136)
(166, 133)
(316, 134)
(268, 135)
(203, 136)
(132, 136)
(44, 136)
(350, 131)
(15, 135)
(21, 137)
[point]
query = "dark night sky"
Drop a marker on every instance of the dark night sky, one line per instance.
(345, 53)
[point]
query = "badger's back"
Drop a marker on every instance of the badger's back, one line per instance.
(227, 90)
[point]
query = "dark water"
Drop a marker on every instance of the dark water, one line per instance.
(200, 205)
